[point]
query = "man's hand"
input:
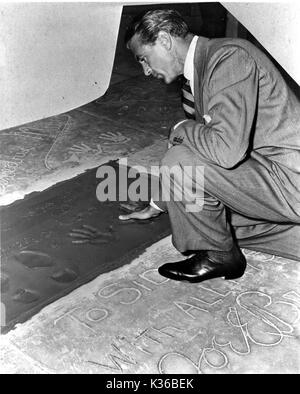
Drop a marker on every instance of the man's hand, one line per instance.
(144, 214)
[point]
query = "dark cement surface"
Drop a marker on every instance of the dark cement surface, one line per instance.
(49, 247)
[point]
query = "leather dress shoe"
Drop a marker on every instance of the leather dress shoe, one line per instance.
(202, 266)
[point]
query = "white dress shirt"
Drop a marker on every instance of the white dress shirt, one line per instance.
(188, 70)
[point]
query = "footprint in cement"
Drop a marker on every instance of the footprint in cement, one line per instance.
(33, 259)
(91, 235)
(64, 275)
(25, 296)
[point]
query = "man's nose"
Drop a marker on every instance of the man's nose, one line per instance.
(147, 70)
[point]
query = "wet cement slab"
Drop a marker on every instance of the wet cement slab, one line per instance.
(133, 321)
(133, 114)
(57, 240)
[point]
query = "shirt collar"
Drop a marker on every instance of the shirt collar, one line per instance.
(188, 70)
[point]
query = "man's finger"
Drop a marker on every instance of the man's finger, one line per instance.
(135, 215)
(131, 206)
(125, 217)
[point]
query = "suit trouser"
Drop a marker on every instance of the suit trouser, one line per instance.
(243, 205)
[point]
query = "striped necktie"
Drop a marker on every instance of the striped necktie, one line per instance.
(188, 100)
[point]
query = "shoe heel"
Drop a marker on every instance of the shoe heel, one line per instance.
(234, 276)
(238, 272)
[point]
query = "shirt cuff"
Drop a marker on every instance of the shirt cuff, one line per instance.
(179, 123)
(152, 203)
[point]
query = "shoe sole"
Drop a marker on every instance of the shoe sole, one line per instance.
(203, 278)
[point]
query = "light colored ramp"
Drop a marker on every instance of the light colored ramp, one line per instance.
(135, 321)
(54, 57)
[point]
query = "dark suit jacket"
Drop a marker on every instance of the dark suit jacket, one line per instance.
(253, 112)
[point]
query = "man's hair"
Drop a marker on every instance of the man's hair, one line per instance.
(148, 24)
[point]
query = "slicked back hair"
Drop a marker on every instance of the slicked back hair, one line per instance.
(148, 24)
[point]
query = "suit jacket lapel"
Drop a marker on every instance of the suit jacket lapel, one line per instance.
(199, 65)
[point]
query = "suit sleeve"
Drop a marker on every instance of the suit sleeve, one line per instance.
(231, 86)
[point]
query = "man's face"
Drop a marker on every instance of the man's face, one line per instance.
(157, 60)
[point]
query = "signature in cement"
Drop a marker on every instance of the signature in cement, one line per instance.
(260, 326)
(10, 167)
(256, 320)
(142, 342)
(91, 235)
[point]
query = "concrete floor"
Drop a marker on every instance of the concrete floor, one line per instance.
(131, 320)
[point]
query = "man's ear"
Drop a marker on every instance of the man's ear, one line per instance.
(165, 40)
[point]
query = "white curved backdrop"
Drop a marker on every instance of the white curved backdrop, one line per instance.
(54, 57)
(276, 26)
